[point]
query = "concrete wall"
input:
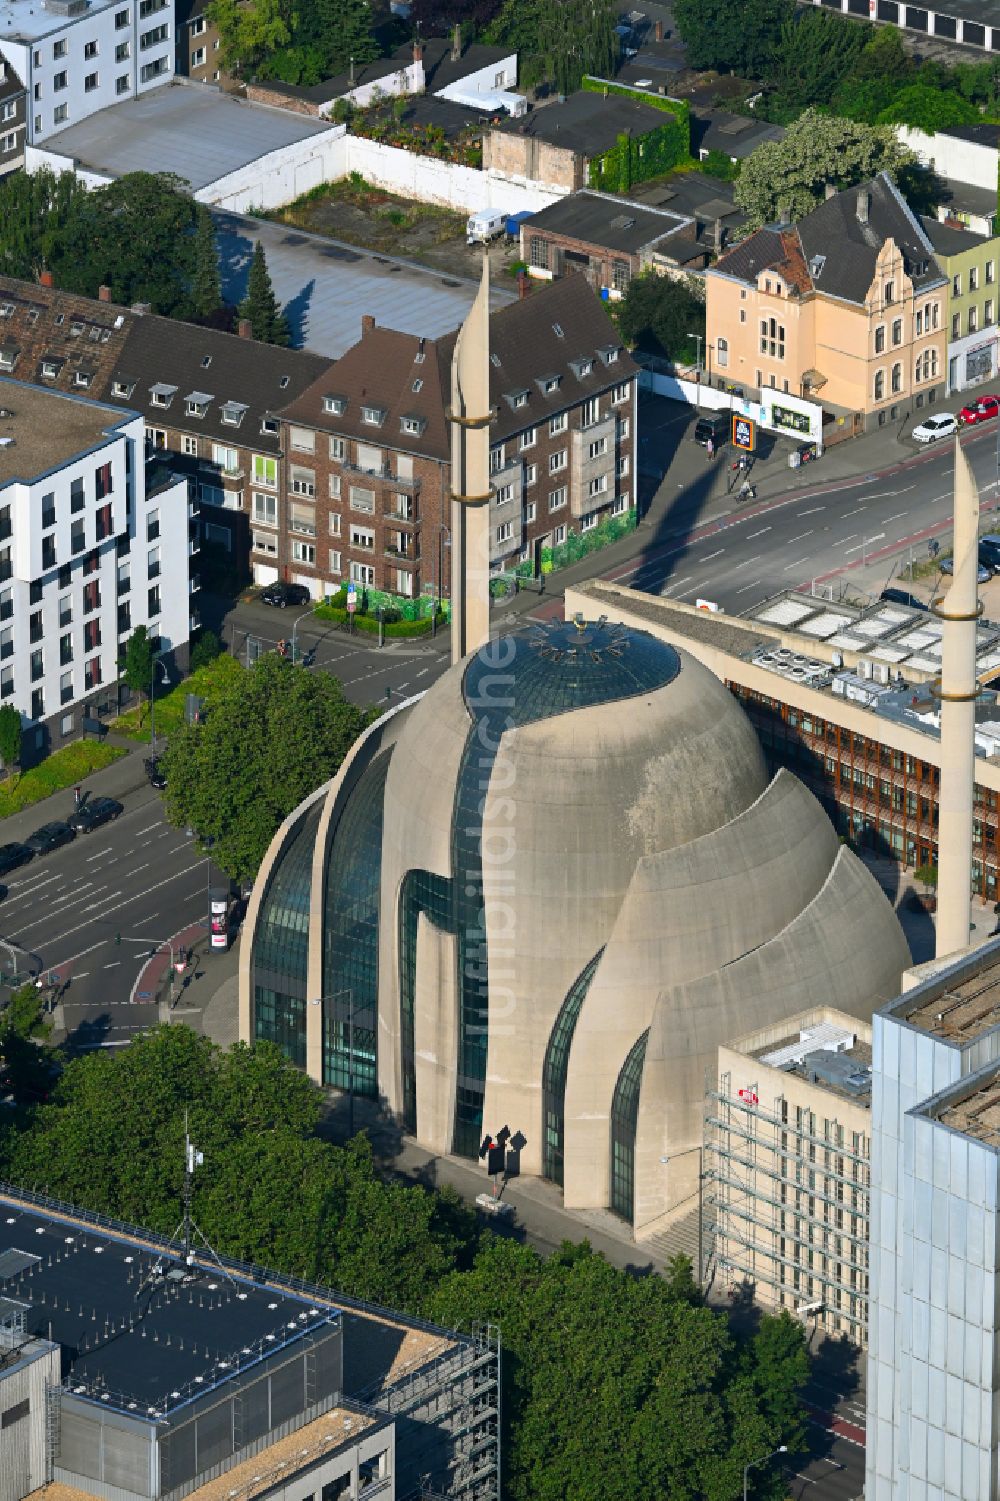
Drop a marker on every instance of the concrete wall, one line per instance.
(965, 161)
(676, 388)
(39, 158)
(280, 176)
(464, 188)
(531, 160)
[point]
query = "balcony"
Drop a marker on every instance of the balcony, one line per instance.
(397, 518)
(194, 546)
(194, 620)
(194, 509)
(194, 584)
(411, 485)
(401, 555)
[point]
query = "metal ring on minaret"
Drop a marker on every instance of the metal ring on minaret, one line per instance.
(943, 614)
(471, 500)
(473, 422)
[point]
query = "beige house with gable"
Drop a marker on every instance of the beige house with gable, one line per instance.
(846, 308)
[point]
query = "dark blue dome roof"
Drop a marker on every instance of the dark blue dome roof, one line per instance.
(559, 666)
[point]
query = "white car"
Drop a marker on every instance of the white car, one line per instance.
(944, 425)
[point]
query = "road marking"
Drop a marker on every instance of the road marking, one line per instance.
(797, 564)
(758, 534)
(857, 510)
(811, 512)
(860, 545)
(106, 897)
(113, 965)
(747, 561)
(712, 555)
(748, 586)
(99, 856)
(896, 516)
(849, 538)
(154, 825)
(799, 537)
(127, 903)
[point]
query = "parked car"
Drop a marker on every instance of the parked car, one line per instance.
(944, 425)
(95, 812)
(983, 574)
(715, 427)
(980, 410)
(154, 773)
(13, 855)
(50, 837)
(989, 551)
(901, 597)
(280, 595)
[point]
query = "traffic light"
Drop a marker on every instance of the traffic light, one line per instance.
(494, 1149)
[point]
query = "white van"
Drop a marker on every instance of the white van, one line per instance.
(485, 225)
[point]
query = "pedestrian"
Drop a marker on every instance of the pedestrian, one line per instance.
(710, 448)
(76, 796)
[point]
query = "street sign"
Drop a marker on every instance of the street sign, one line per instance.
(744, 433)
(352, 600)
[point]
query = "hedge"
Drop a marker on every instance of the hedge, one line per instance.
(369, 623)
(64, 768)
(579, 544)
(637, 158)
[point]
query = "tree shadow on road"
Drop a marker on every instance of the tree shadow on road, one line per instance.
(87, 1035)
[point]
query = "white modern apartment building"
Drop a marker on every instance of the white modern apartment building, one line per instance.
(934, 1314)
(89, 549)
(75, 57)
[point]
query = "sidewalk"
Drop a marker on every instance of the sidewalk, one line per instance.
(118, 780)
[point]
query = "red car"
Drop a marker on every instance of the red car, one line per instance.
(981, 410)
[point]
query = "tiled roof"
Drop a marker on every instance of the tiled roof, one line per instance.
(763, 251)
(65, 342)
(850, 243)
(207, 363)
(558, 332)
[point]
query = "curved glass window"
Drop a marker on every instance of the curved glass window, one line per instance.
(422, 891)
(624, 1120)
(281, 946)
(554, 1072)
(350, 936)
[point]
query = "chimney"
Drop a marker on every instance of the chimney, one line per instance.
(418, 50)
(367, 324)
(658, 32)
(46, 279)
(456, 43)
(959, 611)
(717, 236)
(522, 285)
(864, 206)
(830, 190)
(245, 328)
(104, 294)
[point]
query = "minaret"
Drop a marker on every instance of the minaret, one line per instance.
(959, 610)
(470, 418)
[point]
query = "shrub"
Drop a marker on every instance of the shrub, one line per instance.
(205, 650)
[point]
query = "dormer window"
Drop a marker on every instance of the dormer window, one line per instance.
(335, 404)
(32, 315)
(549, 384)
(269, 425)
(233, 412)
(283, 382)
(374, 416)
(76, 329)
(495, 360)
(581, 368)
(6, 310)
(83, 378)
(161, 395)
(197, 404)
(413, 425)
(50, 369)
(418, 385)
(557, 330)
(206, 361)
(8, 358)
(516, 399)
(122, 388)
(609, 354)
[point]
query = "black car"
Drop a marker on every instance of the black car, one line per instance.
(154, 772)
(49, 837)
(901, 597)
(94, 812)
(281, 595)
(13, 855)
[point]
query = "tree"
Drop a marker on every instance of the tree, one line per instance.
(10, 736)
(26, 1062)
(559, 41)
(206, 281)
(792, 174)
(735, 36)
(205, 650)
(137, 661)
(815, 51)
(926, 108)
(267, 321)
(272, 734)
(339, 30)
(660, 314)
(250, 30)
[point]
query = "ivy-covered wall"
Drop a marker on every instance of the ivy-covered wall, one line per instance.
(635, 158)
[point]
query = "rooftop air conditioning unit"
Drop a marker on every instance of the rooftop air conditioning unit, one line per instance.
(65, 7)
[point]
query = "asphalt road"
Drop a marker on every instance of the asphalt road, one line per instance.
(857, 527)
(137, 880)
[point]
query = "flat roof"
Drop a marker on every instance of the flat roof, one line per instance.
(326, 285)
(26, 20)
(586, 122)
(973, 1108)
(610, 222)
(195, 132)
(48, 429)
(140, 1331)
(947, 239)
(846, 1073)
(957, 1004)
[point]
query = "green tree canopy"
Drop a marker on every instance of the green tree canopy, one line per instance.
(818, 149)
(137, 661)
(250, 30)
(926, 108)
(659, 314)
(10, 736)
(735, 36)
(267, 322)
(298, 41)
(815, 52)
(558, 41)
(271, 735)
(206, 281)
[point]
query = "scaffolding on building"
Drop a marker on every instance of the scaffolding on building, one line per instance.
(786, 1207)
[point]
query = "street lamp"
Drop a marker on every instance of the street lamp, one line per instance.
(781, 1449)
(299, 619)
(322, 1001)
(441, 530)
(686, 1152)
(165, 680)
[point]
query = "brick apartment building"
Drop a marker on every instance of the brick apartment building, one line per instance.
(367, 474)
(208, 397)
(13, 119)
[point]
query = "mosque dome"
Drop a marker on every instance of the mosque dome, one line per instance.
(551, 886)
